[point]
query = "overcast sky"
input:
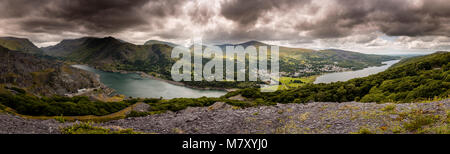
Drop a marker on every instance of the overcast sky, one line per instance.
(373, 26)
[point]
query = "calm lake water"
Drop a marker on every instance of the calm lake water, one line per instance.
(136, 86)
(345, 76)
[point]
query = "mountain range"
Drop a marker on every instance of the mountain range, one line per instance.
(153, 57)
(112, 54)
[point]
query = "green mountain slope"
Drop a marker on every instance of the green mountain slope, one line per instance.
(413, 79)
(111, 54)
(19, 44)
(64, 48)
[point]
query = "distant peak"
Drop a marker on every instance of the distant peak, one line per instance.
(337, 50)
(109, 37)
(151, 42)
(442, 51)
(93, 38)
(14, 38)
(253, 42)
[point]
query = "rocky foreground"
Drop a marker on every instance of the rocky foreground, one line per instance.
(318, 117)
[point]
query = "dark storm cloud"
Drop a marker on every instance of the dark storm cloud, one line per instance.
(221, 20)
(47, 25)
(344, 17)
(247, 12)
(19, 8)
(392, 17)
(91, 16)
(98, 15)
(241, 35)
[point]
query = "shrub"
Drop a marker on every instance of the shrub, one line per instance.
(364, 130)
(60, 119)
(418, 121)
(137, 114)
(390, 107)
(87, 128)
(18, 90)
(2, 107)
(58, 105)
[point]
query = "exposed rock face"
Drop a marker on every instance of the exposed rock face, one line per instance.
(42, 76)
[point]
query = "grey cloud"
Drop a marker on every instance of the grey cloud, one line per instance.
(19, 8)
(86, 16)
(317, 20)
(345, 17)
(201, 15)
(262, 34)
(392, 17)
(247, 12)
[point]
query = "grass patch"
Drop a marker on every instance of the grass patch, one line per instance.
(87, 128)
(143, 114)
(443, 129)
(448, 117)
(434, 99)
(137, 114)
(60, 119)
(364, 130)
(389, 107)
(419, 121)
(290, 82)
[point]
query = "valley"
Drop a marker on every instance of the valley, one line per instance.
(126, 89)
(153, 58)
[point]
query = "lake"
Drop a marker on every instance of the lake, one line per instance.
(345, 76)
(134, 85)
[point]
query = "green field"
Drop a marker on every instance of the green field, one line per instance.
(290, 82)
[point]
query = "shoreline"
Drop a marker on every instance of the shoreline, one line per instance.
(382, 64)
(177, 83)
(146, 75)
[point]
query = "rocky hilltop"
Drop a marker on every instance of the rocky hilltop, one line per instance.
(42, 76)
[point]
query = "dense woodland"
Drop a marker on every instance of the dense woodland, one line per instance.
(26, 104)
